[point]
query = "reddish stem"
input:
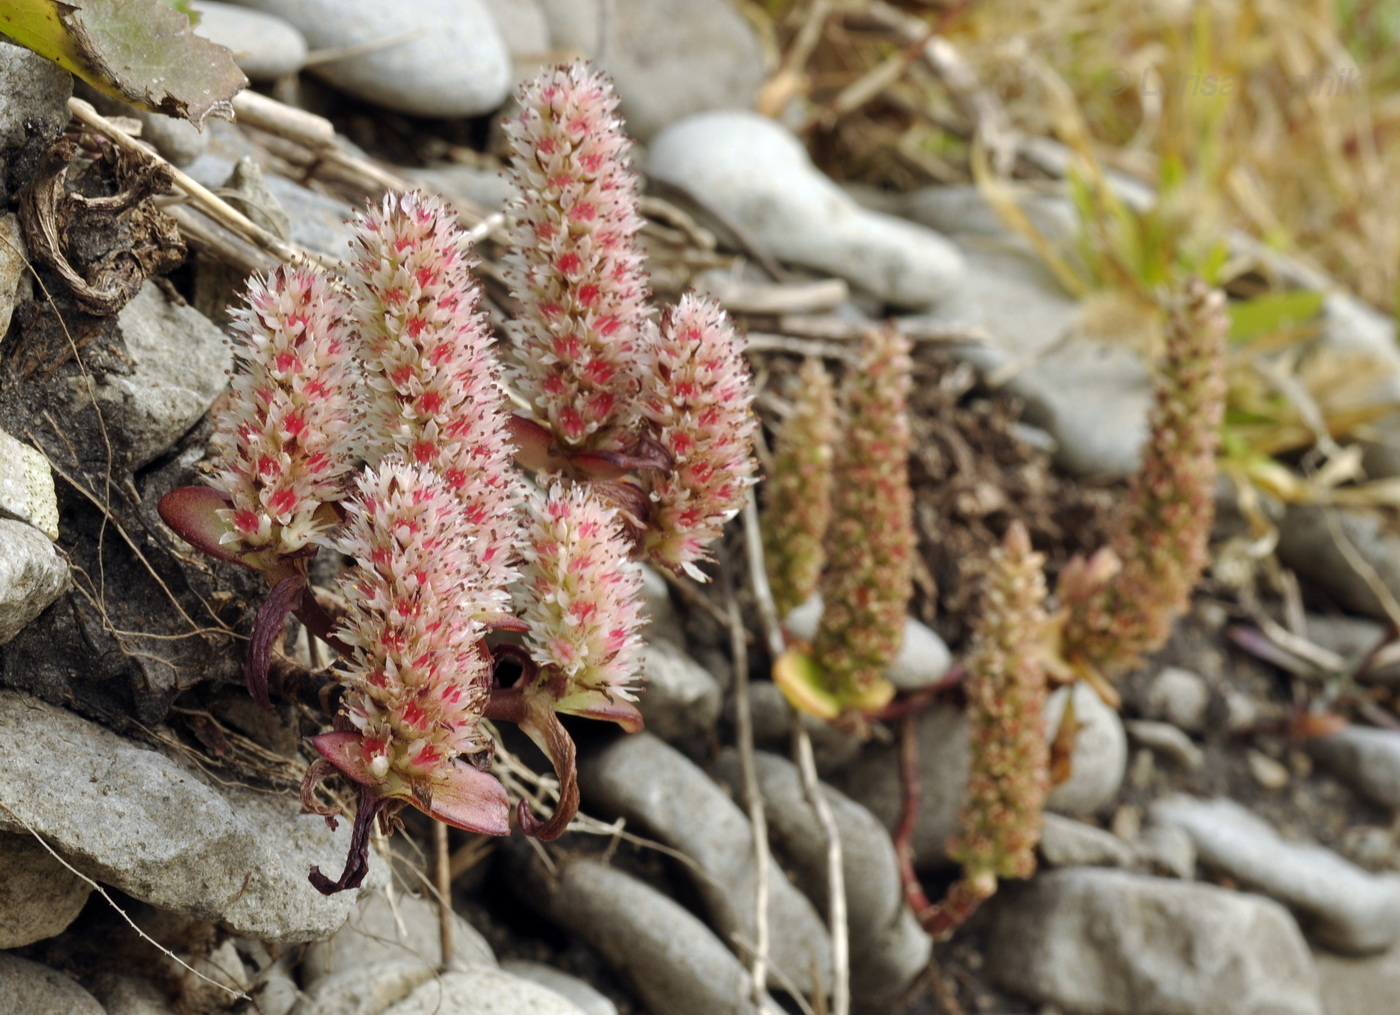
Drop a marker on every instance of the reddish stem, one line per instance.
(922, 700)
(909, 815)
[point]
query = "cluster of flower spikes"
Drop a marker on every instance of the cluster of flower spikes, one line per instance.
(1119, 604)
(431, 527)
(392, 364)
(656, 418)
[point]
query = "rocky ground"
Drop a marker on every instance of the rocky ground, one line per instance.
(1224, 843)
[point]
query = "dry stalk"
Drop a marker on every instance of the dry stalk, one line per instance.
(202, 234)
(753, 798)
(442, 874)
(989, 119)
(802, 756)
(199, 195)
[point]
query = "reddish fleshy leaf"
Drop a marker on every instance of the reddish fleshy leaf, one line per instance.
(192, 512)
(342, 749)
(598, 706)
(469, 799)
(541, 724)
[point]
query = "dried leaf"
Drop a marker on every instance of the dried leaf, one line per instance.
(140, 51)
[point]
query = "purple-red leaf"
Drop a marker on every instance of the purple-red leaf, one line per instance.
(267, 627)
(541, 724)
(468, 799)
(357, 862)
(192, 512)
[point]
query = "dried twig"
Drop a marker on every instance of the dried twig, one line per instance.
(784, 298)
(761, 341)
(980, 107)
(842, 330)
(202, 234)
(200, 196)
(1362, 567)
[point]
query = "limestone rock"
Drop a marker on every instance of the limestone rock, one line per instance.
(888, 947)
(32, 576)
(129, 817)
(668, 957)
(182, 362)
(405, 931)
(39, 897)
(448, 59)
(1100, 752)
(27, 988)
(923, 656)
(873, 779)
(1106, 942)
(1365, 757)
(264, 46)
(681, 699)
(673, 58)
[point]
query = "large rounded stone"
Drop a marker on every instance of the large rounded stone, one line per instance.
(442, 58)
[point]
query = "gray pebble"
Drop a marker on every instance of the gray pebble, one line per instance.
(1067, 842)
(1365, 757)
(26, 486)
(888, 948)
(661, 792)
(1167, 740)
(1179, 697)
(1100, 755)
(669, 958)
(1341, 905)
(404, 930)
(673, 58)
(445, 58)
(580, 994)
(923, 656)
(265, 46)
(1093, 940)
(32, 576)
(131, 818)
(756, 174)
(681, 700)
(28, 988)
(39, 897)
